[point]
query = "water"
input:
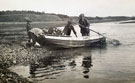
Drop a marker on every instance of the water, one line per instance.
(112, 64)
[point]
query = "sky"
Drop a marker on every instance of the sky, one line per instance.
(74, 7)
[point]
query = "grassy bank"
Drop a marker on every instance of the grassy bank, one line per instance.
(16, 31)
(18, 16)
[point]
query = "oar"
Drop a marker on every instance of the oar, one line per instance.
(112, 41)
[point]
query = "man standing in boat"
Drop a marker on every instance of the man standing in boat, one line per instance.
(84, 25)
(68, 28)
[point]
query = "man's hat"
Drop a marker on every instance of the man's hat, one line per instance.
(81, 15)
(27, 19)
(69, 22)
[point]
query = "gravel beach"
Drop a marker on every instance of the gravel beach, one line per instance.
(17, 53)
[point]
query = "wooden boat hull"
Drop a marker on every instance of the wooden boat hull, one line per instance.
(71, 42)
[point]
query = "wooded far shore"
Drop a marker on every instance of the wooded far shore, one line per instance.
(18, 16)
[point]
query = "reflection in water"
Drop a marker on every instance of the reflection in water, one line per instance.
(72, 63)
(32, 68)
(46, 68)
(60, 61)
(86, 63)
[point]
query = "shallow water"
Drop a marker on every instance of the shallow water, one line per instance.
(111, 64)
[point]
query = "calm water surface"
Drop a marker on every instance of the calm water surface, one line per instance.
(111, 64)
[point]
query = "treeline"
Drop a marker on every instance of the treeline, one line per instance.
(19, 12)
(8, 12)
(109, 19)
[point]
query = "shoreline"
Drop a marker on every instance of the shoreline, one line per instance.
(7, 76)
(15, 54)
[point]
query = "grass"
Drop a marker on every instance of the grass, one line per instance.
(17, 30)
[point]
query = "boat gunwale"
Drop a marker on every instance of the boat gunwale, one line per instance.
(67, 38)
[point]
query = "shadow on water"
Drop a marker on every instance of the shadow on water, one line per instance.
(62, 61)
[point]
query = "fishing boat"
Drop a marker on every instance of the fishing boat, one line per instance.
(71, 42)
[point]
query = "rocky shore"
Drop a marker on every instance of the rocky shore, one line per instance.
(17, 53)
(6, 76)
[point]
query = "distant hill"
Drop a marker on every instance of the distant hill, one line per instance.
(33, 17)
(109, 19)
(18, 16)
